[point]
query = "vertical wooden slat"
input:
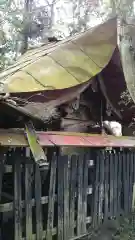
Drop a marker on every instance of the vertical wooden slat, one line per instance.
(132, 178)
(17, 197)
(60, 198)
(39, 224)
(106, 187)
(115, 160)
(84, 195)
(133, 192)
(133, 195)
(101, 188)
(96, 193)
(119, 191)
(66, 198)
(125, 183)
(28, 197)
(79, 194)
(2, 162)
(51, 198)
(111, 200)
(128, 186)
(72, 195)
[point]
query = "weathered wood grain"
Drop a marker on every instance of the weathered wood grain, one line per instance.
(38, 194)
(17, 197)
(28, 197)
(73, 180)
(51, 198)
(79, 195)
(60, 199)
(66, 198)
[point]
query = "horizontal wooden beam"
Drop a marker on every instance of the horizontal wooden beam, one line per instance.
(16, 138)
(8, 207)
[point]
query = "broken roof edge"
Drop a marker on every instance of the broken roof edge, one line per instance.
(17, 138)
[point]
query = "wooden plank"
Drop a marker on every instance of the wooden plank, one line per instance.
(119, 182)
(129, 160)
(96, 193)
(34, 237)
(8, 207)
(115, 185)
(36, 149)
(51, 199)
(131, 179)
(106, 187)
(17, 138)
(2, 163)
(101, 187)
(66, 198)
(111, 195)
(84, 194)
(128, 173)
(60, 198)
(39, 223)
(133, 196)
(8, 168)
(28, 197)
(73, 171)
(82, 139)
(125, 183)
(17, 196)
(79, 194)
(85, 139)
(54, 231)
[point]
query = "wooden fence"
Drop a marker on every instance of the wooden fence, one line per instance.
(62, 200)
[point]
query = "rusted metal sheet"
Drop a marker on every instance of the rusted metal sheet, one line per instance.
(48, 139)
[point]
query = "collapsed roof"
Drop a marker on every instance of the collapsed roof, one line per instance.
(57, 73)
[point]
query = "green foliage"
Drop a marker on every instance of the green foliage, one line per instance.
(39, 21)
(126, 231)
(121, 228)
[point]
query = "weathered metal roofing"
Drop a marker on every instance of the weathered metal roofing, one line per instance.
(16, 138)
(57, 73)
(65, 64)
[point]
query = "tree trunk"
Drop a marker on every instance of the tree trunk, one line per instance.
(128, 64)
(27, 18)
